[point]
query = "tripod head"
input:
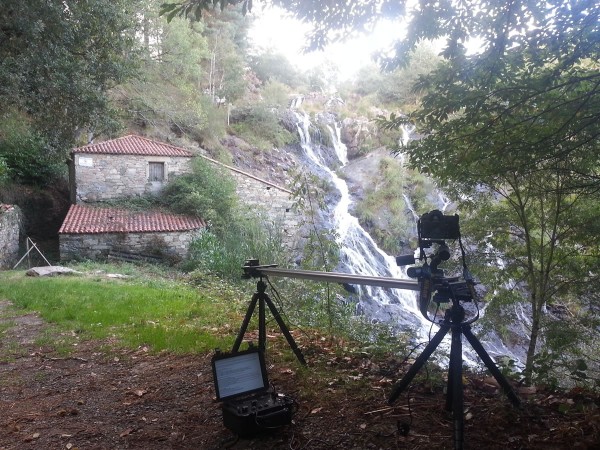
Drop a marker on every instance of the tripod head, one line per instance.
(253, 269)
(433, 229)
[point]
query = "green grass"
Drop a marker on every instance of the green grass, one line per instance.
(159, 313)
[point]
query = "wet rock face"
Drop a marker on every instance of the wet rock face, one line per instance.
(355, 133)
(10, 226)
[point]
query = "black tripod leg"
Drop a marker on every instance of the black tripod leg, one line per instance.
(421, 359)
(489, 363)
(262, 322)
(454, 396)
(284, 330)
(244, 327)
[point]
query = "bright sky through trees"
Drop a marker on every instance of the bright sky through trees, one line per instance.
(286, 35)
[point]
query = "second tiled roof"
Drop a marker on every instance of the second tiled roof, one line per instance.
(89, 220)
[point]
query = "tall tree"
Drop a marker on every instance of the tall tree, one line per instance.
(519, 123)
(225, 70)
(59, 59)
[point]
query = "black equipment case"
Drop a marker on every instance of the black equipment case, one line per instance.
(241, 384)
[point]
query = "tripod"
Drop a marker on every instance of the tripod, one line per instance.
(262, 298)
(454, 321)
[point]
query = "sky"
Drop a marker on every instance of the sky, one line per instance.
(286, 35)
(272, 30)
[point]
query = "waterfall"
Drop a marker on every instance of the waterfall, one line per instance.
(406, 129)
(411, 208)
(360, 255)
(297, 102)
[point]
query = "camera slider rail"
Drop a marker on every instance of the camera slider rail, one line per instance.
(259, 271)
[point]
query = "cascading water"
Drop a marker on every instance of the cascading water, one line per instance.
(360, 255)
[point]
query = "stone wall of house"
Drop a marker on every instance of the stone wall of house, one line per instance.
(168, 245)
(276, 202)
(10, 228)
(100, 177)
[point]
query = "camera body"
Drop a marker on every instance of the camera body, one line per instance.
(434, 225)
(433, 229)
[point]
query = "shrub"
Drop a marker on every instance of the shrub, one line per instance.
(259, 125)
(208, 192)
(248, 236)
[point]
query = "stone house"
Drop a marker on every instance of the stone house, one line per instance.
(124, 167)
(267, 197)
(91, 232)
(116, 169)
(134, 166)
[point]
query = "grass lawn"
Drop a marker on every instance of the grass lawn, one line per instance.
(194, 314)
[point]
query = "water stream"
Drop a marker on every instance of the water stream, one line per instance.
(360, 255)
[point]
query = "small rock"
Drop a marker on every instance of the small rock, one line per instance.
(49, 271)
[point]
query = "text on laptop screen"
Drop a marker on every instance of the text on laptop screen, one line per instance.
(238, 375)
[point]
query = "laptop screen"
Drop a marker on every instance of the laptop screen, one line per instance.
(239, 373)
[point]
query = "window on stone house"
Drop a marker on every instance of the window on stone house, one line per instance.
(156, 171)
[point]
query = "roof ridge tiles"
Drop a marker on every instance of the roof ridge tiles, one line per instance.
(133, 144)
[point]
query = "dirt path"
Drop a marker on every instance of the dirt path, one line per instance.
(99, 397)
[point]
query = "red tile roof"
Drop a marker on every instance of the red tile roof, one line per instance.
(89, 220)
(133, 145)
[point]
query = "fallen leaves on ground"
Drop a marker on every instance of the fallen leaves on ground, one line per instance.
(114, 398)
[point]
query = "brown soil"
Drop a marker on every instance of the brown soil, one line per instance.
(103, 397)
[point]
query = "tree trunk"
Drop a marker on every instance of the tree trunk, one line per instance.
(535, 332)
(146, 32)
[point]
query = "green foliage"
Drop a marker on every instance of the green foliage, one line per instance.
(275, 67)
(321, 251)
(259, 125)
(398, 86)
(368, 79)
(225, 67)
(329, 24)
(195, 9)
(421, 190)
(213, 127)
(535, 236)
(383, 210)
(180, 49)
(192, 74)
(319, 305)
(57, 64)
(25, 156)
(249, 236)
(508, 131)
(568, 356)
(395, 88)
(208, 192)
(275, 94)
